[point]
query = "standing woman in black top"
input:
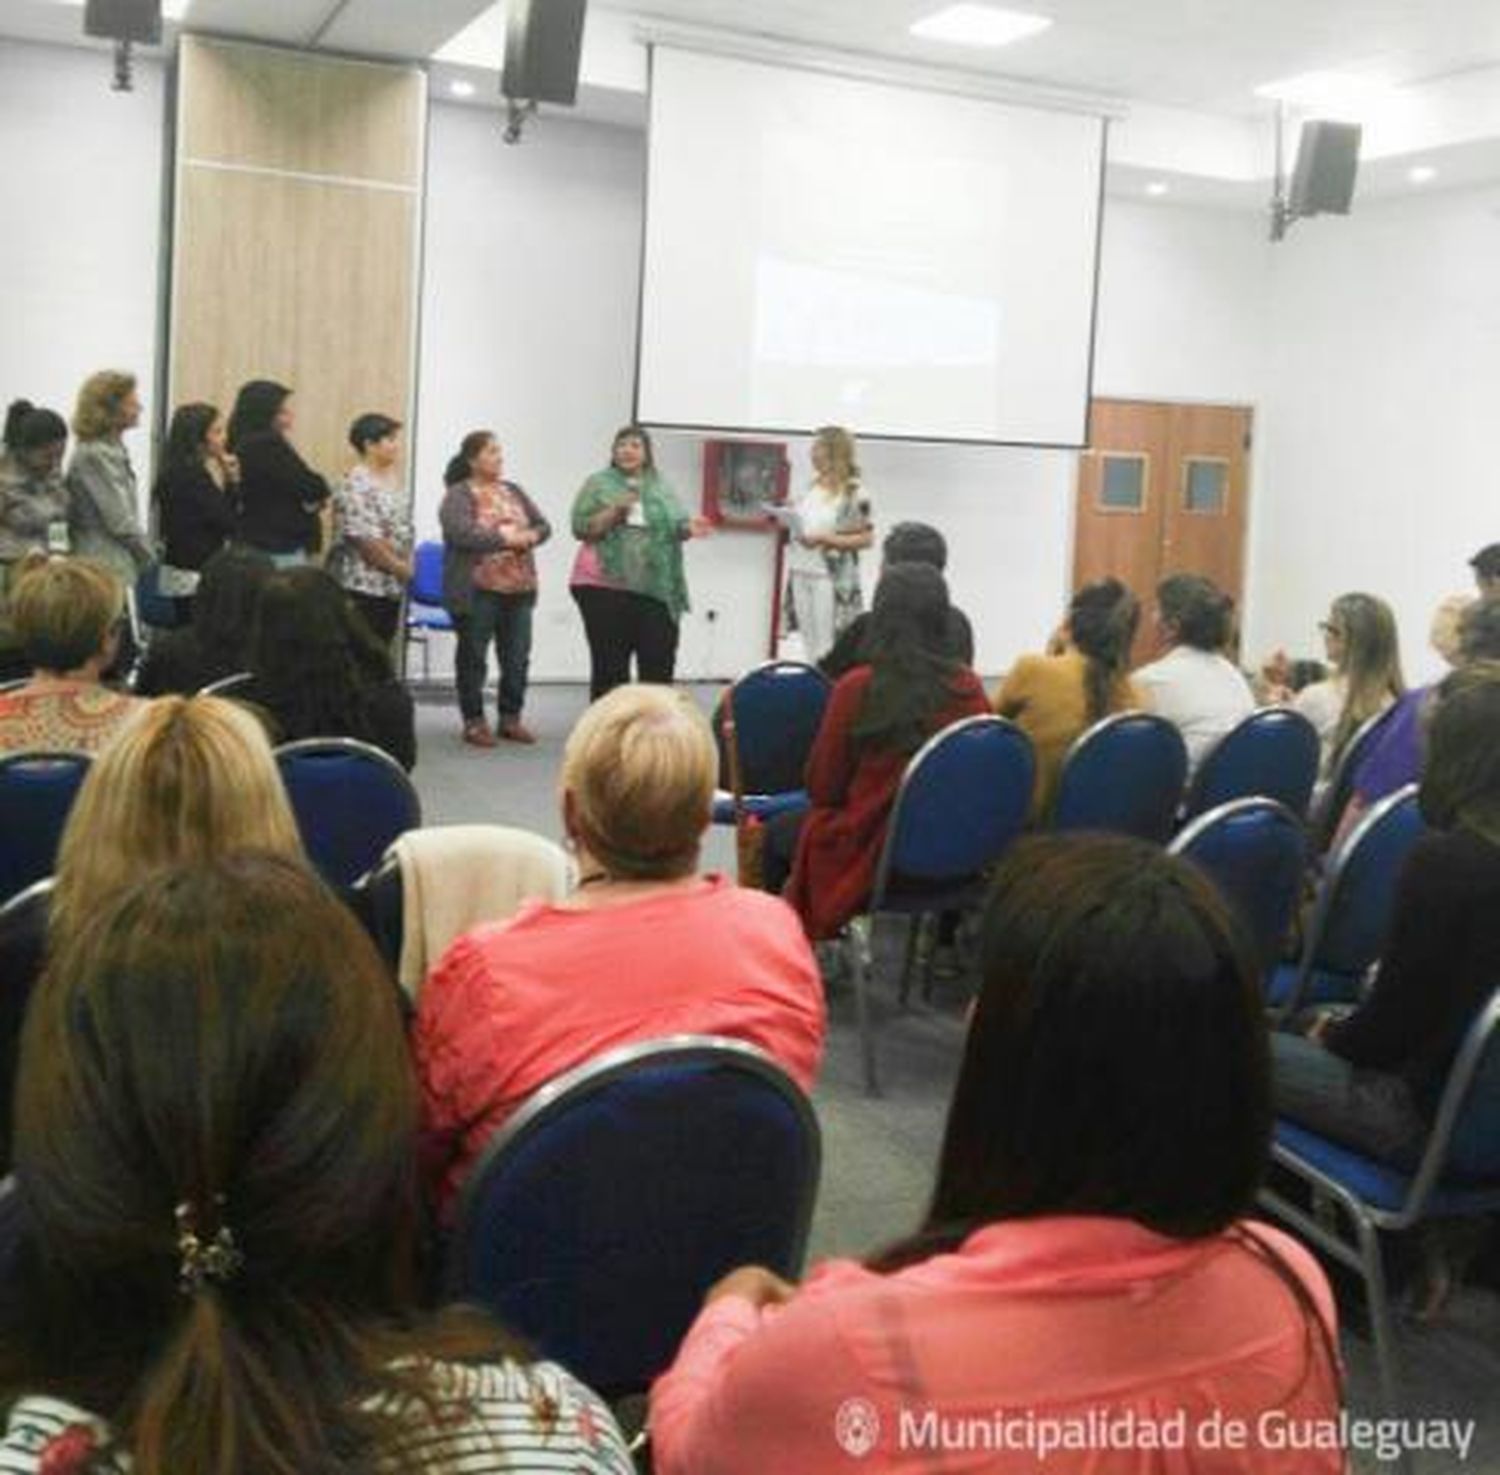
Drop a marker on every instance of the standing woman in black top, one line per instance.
(1372, 1079)
(280, 494)
(194, 501)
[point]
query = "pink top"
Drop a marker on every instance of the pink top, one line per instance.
(510, 1006)
(1080, 1324)
(588, 571)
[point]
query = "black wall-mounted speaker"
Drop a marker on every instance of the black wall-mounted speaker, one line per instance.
(124, 20)
(1327, 162)
(543, 46)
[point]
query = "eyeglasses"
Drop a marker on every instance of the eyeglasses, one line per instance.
(1329, 628)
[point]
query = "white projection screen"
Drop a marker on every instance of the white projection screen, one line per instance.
(821, 249)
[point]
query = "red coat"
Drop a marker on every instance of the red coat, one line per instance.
(852, 794)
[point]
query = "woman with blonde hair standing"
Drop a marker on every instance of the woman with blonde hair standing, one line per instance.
(103, 507)
(833, 528)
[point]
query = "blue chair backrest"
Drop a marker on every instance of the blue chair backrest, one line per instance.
(37, 791)
(778, 709)
(1254, 850)
(964, 798)
(1341, 785)
(1272, 754)
(1125, 774)
(600, 1214)
(1474, 1146)
(427, 574)
(154, 607)
(351, 801)
(1354, 908)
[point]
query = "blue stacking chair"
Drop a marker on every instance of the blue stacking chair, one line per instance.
(424, 603)
(1272, 754)
(1348, 924)
(37, 791)
(1254, 850)
(154, 608)
(351, 801)
(963, 799)
(601, 1213)
(777, 709)
(1341, 785)
(1125, 775)
(1456, 1176)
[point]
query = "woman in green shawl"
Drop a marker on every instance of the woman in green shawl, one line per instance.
(628, 578)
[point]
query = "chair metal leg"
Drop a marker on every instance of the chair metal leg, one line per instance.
(1382, 1327)
(915, 925)
(862, 966)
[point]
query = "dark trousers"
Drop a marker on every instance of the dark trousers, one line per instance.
(779, 849)
(506, 620)
(1369, 1110)
(382, 615)
(620, 625)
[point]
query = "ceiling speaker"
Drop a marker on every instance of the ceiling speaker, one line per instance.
(543, 46)
(1327, 161)
(124, 20)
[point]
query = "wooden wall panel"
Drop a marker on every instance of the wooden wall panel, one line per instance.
(296, 244)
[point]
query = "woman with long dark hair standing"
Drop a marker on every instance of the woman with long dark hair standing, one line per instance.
(194, 496)
(877, 718)
(1055, 698)
(490, 531)
(1086, 1256)
(215, 1157)
(628, 580)
(280, 494)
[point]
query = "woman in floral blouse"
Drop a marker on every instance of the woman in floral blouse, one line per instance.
(372, 536)
(490, 527)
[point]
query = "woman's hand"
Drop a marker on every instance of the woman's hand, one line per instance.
(229, 464)
(753, 1283)
(700, 527)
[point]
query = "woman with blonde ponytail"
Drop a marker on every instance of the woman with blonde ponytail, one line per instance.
(216, 1186)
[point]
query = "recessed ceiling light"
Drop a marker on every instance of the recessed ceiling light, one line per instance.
(460, 88)
(1156, 187)
(1421, 173)
(1341, 95)
(979, 25)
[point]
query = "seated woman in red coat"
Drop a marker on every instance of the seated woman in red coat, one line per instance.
(644, 947)
(878, 716)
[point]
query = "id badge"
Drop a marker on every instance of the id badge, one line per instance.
(57, 537)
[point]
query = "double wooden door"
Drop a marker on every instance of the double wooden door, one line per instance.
(1163, 489)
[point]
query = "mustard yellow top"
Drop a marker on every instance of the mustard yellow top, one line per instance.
(1045, 697)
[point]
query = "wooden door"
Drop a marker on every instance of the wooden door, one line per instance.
(1162, 489)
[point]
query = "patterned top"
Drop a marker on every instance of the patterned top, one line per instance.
(79, 717)
(498, 509)
(506, 1418)
(644, 557)
(30, 508)
(363, 508)
(822, 515)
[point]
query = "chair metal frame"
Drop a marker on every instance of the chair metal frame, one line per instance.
(25, 896)
(226, 685)
(1328, 893)
(1363, 1254)
(15, 685)
(1323, 824)
(1098, 733)
(351, 748)
(859, 934)
(1195, 783)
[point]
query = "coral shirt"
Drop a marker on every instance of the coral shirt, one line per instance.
(1047, 1320)
(510, 1006)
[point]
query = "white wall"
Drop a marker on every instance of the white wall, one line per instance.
(1377, 462)
(80, 242)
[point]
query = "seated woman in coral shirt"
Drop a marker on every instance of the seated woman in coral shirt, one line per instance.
(1086, 1254)
(644, 948)
(877, 717)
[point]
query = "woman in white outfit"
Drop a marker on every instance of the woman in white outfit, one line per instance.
(833, 528)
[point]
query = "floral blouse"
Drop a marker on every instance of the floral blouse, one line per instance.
(362, 508)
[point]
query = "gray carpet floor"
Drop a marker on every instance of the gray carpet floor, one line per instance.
(880, 1154)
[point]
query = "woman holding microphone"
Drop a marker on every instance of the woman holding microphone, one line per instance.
(628, 579)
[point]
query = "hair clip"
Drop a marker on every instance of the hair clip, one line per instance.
(197, 1261)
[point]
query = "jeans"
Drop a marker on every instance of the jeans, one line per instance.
(506, 620)
(1368, 1110)
(621, 624)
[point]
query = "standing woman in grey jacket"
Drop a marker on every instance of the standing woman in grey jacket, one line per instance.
(104, 508)
(490, 527)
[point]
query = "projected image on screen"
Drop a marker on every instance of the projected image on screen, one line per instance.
(821, 249)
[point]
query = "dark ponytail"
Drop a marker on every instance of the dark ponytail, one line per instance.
(14, 418)
(29, 429)
(461, 467)
(1102, 621)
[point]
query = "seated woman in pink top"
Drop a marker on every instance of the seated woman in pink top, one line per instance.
(1086, 1263)
(645, 947)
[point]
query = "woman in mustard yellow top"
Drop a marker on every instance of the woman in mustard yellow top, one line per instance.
(1055, 698)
